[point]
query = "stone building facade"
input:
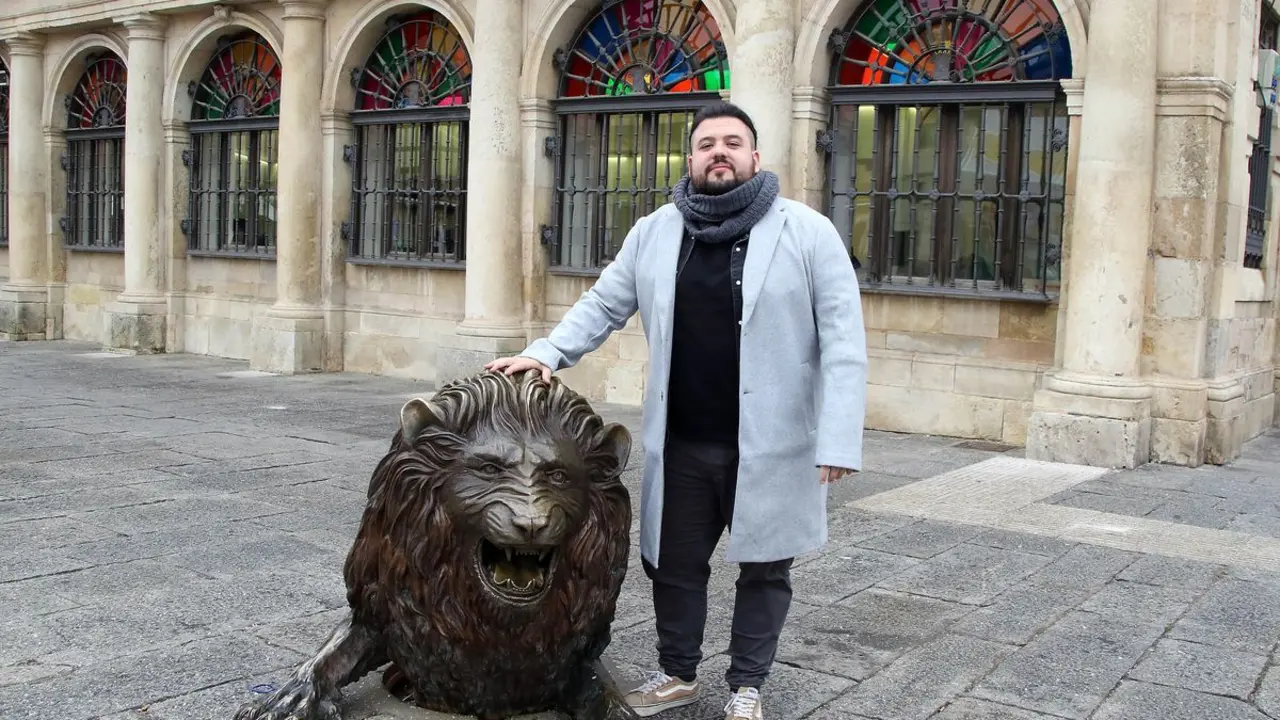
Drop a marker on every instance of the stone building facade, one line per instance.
(1062, 209)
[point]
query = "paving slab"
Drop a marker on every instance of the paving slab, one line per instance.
(173, 527)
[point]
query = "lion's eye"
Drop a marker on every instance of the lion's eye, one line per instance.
(490, 468)
(558, 476)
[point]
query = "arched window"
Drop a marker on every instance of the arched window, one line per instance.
(235, 120)
(630, 84)
(409, 163)
(94, 159)
(947, 144)
(4, 154)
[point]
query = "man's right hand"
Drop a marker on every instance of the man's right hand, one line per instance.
(513, 365)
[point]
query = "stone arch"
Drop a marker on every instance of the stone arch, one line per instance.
(813, 56)
(67, 69)
(364, 32)
(198, 46)
(559, 24)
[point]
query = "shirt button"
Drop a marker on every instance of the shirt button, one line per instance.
(738, 282)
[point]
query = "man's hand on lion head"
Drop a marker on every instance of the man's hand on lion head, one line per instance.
(513, 365)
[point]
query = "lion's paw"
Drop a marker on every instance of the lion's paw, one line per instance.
(297, 700)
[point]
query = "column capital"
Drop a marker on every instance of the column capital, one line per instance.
(1074, 90)
(1206, 96)
(538, 113)
(810, 103)
(335, 122)
(308, 9)
(144, 26)
(175, 131)
(54, 136)
(25, 43)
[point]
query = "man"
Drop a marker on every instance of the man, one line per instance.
(754, 402)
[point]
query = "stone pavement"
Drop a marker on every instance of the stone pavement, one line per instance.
(172, 531)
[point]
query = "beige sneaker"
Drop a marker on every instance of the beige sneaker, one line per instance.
(744, 705)
(661, 692)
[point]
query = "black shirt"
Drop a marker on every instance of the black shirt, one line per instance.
(703, 385)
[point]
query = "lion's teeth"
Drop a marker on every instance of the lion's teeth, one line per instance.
(508, 550)
(500, 575)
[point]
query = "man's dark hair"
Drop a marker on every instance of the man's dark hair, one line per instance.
(723, 109)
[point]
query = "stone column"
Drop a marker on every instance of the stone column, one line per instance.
(289, 337)
(762, 68)
(337, 130)
(24, 300)
(137, 318)
(173, 208)
(492, 325)
(1095, 409)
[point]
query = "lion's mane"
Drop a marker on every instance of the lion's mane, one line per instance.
(410, 572)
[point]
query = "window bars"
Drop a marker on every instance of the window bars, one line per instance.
(947, 146)
(4, 155)
(1260, 161)
(233, 159)
(630, 84)
(409, 160)
(94, 159)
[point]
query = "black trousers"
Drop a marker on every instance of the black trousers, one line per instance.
(698, 498)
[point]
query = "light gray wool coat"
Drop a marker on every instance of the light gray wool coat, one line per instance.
(803, 369)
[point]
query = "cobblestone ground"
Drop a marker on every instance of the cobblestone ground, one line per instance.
(172, 531)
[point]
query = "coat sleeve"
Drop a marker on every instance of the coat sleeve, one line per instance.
(604, 308)
(842, 350)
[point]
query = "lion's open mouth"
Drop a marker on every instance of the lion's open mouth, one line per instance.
(513, 573)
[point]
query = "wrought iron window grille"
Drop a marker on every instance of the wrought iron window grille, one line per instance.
(409, 159)
(630, 83)
(946, 147)
(4, 155)
(1261, 162)
(233, 159)
(93, 162)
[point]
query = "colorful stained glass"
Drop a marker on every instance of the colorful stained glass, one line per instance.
(646, 47)
(4, 98)
(421, 62)
(911, 42)
(241, 81)
(98, 98)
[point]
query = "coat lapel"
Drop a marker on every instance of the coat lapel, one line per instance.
(763, 242)
(668, 233)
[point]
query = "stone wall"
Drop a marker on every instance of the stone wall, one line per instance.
(216, 312)
(396, 318)
(94, 279)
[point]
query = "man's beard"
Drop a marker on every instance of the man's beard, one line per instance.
(706, 186)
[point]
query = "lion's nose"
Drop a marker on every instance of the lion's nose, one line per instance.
(530, 525)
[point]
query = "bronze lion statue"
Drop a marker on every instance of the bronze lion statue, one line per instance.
(487, 566)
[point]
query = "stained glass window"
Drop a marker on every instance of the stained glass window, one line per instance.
(630, 83)
(98, 99)
(947, 145)
(420, 62)
(4, 154)
(409, 162)
(647, 47)
(94, 160)
(241, 81)
(232, 163)
(909, 42)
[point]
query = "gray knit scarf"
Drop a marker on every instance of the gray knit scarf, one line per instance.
(720, 218)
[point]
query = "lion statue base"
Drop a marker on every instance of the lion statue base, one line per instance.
(484, 576)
